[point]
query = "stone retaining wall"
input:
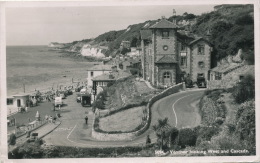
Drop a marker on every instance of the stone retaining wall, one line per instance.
(106, 136)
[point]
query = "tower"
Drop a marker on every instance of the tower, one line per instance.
(163, 64)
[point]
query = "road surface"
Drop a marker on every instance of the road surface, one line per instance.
(180, 108)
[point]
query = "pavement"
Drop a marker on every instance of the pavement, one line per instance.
(180, 108)
(44, 108)
(42, 131)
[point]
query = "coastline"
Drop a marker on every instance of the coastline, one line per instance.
(42, 69)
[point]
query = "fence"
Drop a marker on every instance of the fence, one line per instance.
(107, 136)
(22, 130)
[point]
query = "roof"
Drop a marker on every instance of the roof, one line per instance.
(101, 68)
(224, 68)
(146, 34)
(116, 75)
(163, 23)
(198, 39)
(166, 59)
(22, 94)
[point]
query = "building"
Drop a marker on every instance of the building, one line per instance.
(125, 44)
(16, 101)
(96, 71)
(168, 55)
(104, 79)
(219, 72)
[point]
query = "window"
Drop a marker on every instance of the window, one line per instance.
(241, 77)
(200, 75)
(218, 76)
(201, 64)
(200, 50)
(166, 75)
(183, 60)
(165, 34)
(165, 47)
(91, 73)
(9, 101)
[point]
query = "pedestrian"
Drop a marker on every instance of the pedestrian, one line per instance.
(86, 119)
(26, 109)
(46, 117)
(148, 140)
(50, 119)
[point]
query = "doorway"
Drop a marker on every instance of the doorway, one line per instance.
(18, 102)
(167, 78)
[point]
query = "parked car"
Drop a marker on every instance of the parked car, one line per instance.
(201, 82)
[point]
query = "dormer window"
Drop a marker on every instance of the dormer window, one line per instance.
(165, 34)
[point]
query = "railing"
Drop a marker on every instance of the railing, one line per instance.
(22, 130)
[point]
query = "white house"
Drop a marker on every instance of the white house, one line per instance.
(96, 71)
(16, 101)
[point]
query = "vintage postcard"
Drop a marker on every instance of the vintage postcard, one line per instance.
(150, 81)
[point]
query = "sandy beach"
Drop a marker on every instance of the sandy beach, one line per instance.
(41, 69)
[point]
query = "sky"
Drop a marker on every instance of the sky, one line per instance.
(42, 25)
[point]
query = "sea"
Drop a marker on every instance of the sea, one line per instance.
(36, 66)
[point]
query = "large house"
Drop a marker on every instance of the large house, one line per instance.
(168, 55)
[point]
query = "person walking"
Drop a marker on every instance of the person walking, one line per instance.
(86, 119)
(148, 140)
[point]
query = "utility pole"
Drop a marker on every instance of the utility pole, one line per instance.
(23, 88)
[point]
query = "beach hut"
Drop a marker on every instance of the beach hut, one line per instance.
(20, 100)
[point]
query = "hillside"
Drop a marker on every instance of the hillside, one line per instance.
(231, 27)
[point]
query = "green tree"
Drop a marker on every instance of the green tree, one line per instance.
(162, 130)
(12, 139)
(245, 89)
(100, 100)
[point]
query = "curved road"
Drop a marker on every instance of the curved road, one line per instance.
(180, 108)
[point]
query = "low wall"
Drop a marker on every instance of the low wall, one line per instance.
(106, 136)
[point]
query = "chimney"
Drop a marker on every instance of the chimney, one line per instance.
(174, 16)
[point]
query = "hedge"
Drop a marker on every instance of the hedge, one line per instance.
(78, 152)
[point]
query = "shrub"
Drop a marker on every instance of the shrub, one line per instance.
(206, 133)
(12, 139)
(30, 150)
(187, 137)
(246, 122)
(173, 136)
(100, 100)
(245, 89)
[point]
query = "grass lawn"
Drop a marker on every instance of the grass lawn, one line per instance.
(126, 120)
